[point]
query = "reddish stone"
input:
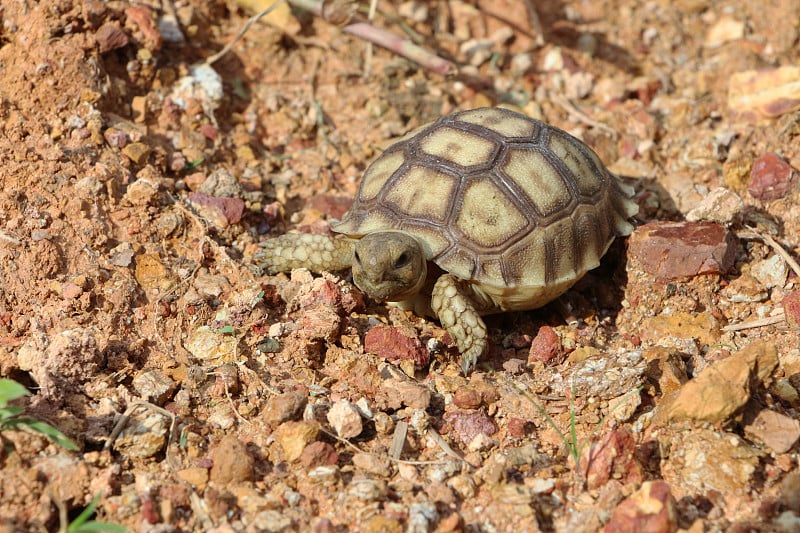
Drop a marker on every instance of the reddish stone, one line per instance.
(394, 344)
(613, 457)
(344, 300)
(650, 510)
(546, 347)
(209, 132)
(143, 18)
(321, 322)
(110, 37)
(680, 250)
(467, 398)
(469, 424)
(518, 427)
(791, 309)
(319, 453)
(231, 209)
(771, 177)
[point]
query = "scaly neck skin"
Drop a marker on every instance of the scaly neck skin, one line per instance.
(389, 266)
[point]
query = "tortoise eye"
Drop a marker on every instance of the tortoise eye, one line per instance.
(402, 260)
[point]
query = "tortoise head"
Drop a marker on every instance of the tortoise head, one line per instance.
(389, 265)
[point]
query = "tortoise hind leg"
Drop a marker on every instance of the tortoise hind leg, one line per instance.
(318, 253)
(459, 307)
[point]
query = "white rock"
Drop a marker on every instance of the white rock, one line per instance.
(721, 205)
(345, 419)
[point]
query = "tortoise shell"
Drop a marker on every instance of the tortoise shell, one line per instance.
(497, 198)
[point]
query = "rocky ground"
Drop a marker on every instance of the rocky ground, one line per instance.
(660, 394)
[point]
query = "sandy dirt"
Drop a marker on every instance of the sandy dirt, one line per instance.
(661, 393)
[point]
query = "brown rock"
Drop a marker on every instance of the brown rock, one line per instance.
(469, 424)
(407, 393)
(703, 327)
(285, 407)
(137, 152)
(680, 250)
(546, 347)
(721, 205)
(771, 177)
(372, 464)
(293, 437)
(395, 344)
(778, 431)
(612, 457)
(665, 366)
(790, 491)
(116, 138)
(755, 95)
(195, 476)
(110, 37)
(724, 386)
(651, 509)
(232, 462)
(707, 460)
(467, 398)
(319, 453)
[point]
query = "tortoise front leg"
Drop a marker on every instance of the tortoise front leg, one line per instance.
(459, 307)
(318, 253)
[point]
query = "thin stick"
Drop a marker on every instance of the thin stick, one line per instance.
(401, 46)
(772, 243)
(535, 22)
(392, 459)
(579, 115)
(368, 52)
(252, 20)
(387, 40)
(126, 416)
(767, 321)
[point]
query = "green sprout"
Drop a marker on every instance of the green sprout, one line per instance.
(10, 415)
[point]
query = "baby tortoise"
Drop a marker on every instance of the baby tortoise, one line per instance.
(479, 212)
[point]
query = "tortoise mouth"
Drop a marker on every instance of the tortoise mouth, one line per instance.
(388, 290)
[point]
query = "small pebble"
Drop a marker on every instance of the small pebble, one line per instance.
(720, 205)
(293, 437)
(319, 453)
(791, 309)
(546, 347)
(153, 386)
(777, 431)
(771, 177)
(284, 407)
(395, 344)
(770, 272)
(650, 509)
(345, 419)
(468, 424)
